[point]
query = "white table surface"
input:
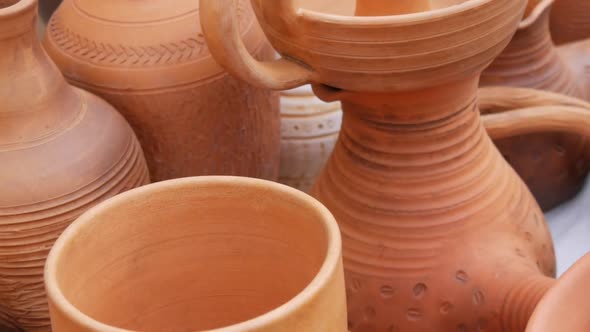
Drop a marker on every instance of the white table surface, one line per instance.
(570, 227)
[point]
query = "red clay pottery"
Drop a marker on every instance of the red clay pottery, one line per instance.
(439, 233)
(562, 308)
(309, 129)
(570, 21)
(223, 254)
(556, 304)
(532, 60)
(62, 150)
(151, 62)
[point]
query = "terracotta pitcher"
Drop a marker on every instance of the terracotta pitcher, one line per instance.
(439, 233)
(570, 21)
(206, 253)
(309, 129)
(151, 62)
(532, 60)
(62, 150)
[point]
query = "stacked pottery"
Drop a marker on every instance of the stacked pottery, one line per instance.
(570, 21)
(220, 254)
(309, 129)
(151, 62)
(62, 150)
(531, 60)
(439, 233)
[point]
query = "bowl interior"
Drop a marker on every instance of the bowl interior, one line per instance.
(192, 258)
(347, 7)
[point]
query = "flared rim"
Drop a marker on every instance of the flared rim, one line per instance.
(21, 6)
(534, 15)
(320, 281)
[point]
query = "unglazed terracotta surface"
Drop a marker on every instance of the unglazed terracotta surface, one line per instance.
(570, 21)
(531, 60)
(553, 170)
(309, 130)
(563, 307)
(151, 62)
(62, 150)
(439, 233)
(222, 254)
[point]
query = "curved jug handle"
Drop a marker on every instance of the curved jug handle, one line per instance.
(220, 27)
(509, 112)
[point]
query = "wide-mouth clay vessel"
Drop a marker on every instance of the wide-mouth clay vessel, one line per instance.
(570, 21)
(62, 150)
(151, 62)
(223, 254)
(309, 130)
(532, 60)
(439, 233)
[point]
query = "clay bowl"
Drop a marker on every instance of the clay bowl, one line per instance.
(360, 53)
(562, 308)
(209, 253)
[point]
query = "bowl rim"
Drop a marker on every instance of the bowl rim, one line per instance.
(328, 268)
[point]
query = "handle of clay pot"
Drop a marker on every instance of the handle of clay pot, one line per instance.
(516, 111)
(220, 27)
(501, 99)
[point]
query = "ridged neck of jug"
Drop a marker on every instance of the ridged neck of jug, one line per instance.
(531, 59)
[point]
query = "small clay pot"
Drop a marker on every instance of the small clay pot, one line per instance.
(570, 21)
(151, 62)
(62, 150)
(531, 60)
(194, 254)
(309, 130)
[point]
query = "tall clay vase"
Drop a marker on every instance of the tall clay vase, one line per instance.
(224, 254)
(309, 129)
(570, 21)
(151, 62)
(439, 233)
(553, 165)
(62, 150)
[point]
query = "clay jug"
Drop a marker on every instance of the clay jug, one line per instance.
(151, 62)
(309, 129)
(570, 21)
(439, 233)
(62, 150)
(532, 60)
(205, 253)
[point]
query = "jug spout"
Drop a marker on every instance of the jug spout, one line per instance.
(390, 7)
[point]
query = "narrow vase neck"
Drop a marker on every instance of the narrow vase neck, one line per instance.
(531, 60)
(35, 97)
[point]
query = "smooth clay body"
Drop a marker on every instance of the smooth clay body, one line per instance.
(553, 165)
(309, 130)
(218, 254)
(570, 21)
(62, 150)
(151, 62)
(439, 233)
